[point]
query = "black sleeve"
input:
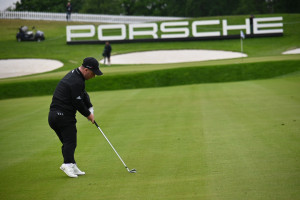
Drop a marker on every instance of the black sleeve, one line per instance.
(87, 100)
(78, 100)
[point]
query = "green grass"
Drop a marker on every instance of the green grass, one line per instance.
(261, 51)
(210, 141)
(159, 78)
(234, 140)
(54, 47)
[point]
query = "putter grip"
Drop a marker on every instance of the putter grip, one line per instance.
(96, 124)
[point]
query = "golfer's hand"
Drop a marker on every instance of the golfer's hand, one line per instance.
(91, 118)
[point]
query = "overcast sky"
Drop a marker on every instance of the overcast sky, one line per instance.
(6, 3)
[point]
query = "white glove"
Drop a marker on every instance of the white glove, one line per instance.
(91, 109)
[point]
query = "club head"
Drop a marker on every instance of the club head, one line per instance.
(132, 171)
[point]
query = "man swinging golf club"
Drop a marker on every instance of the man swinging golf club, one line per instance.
(70, 96)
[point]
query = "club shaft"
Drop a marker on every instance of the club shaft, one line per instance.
(111, 146)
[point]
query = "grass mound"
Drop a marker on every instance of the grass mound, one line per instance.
(159, 78)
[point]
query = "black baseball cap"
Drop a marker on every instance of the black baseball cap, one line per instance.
(92, 64)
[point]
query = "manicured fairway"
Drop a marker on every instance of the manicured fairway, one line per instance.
(211, 141)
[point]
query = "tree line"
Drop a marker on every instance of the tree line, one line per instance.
(180, 8)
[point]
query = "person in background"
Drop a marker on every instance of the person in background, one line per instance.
(69, 11)
(106, 53)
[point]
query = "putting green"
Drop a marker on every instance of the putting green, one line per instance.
(210, 141)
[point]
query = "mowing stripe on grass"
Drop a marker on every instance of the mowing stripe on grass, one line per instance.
(210, 141)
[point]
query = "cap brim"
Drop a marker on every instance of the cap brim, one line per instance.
(97, 72)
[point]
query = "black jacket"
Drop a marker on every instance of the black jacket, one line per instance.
(107, 49)
(69, 8)
(70, 95)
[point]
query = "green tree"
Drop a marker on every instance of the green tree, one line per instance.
(252, 7)
(144, 7)
(128, 7)
(47, 5)
(101, 7)
(285, 6)
(181, 8)
(176, 8)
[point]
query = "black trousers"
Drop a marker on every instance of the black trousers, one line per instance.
(65, 128)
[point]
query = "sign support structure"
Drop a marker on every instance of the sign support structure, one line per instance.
(242, 38)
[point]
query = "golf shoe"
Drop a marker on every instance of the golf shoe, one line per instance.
(69, 170)
(77, 171)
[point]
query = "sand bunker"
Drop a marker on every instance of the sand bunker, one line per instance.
(173, 56)
(21, 67)
(294, 51)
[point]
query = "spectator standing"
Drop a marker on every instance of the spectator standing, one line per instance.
(107, 52)
(69, 11)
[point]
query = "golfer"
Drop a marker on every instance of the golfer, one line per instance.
(70, 96)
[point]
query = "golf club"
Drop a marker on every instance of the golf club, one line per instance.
(130, 171)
